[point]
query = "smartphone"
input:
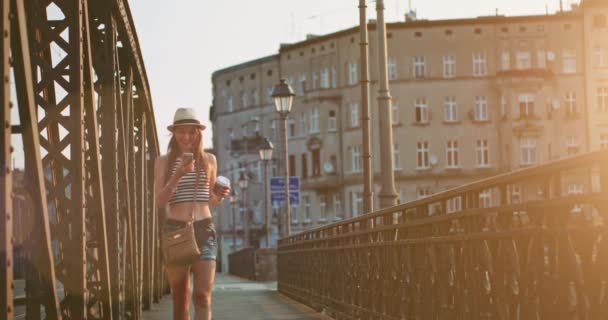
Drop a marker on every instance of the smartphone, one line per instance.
(187, 157)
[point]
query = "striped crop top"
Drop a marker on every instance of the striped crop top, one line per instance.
(187, 186)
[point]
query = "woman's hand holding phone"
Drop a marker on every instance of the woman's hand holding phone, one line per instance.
(187, 163)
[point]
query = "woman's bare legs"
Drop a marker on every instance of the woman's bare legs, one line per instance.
(204, 275)
(179, 280)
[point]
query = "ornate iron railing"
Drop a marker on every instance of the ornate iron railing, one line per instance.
(89, 137)
(531, 244)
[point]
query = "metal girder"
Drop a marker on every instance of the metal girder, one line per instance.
(39, 244)
(6, 179)
(88, 128)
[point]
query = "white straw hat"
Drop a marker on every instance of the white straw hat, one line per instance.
(185, 117)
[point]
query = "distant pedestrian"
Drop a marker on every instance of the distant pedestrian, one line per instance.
(183, 179)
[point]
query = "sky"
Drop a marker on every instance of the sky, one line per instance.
(185, 41)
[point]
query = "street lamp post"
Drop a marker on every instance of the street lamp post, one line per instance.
(283, 97)
(265, 155)
(243, 183)
(233, 201)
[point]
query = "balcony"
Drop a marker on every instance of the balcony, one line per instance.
(246, 145)
(523, 76)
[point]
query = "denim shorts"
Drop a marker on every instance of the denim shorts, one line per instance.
(204, 230)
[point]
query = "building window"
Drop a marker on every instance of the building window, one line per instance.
(602, 99)
(454, 204)
(337, 207)
(306, 209)
(505, 61)
(514, 191)
(485, 199)
(396, 162)
(600, 57)
(325, 78)
(572, 145)
(449, 66)
(254, 97)
(273, 130)
(574, 188)
(315, 80)
(395, 115)
(294, 214)
(243, 97)
(526, 106)
(481, 108)
(527, 149)
(332, 123)
(452, 154)
(392, 69)
(570, 101)
(604, 141)
(292, 164)
(304, 166)
(322, 209)
(229, 105)
(354, 115)
(291, 127)
(422, 155)
(569, 61)
(450, 109)
(352, 73)
(302, 87)
(419, 67)
(357, 203)
(316, 162)
(541, 59)
(523, 60)
(503, 106)
(479, 64)
(314, 120)
(422, 110)
(303, 124)
(355, 153)
(423, 193)
(482, 153)
(269, 91)
(334, 77)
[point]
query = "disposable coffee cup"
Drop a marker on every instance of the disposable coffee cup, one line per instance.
(221, 183)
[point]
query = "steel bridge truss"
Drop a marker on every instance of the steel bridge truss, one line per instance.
(89, 137)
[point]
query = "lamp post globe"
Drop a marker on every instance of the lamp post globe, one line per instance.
(283, 97)
(265, 149)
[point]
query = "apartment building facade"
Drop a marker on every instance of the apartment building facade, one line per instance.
(470, 98)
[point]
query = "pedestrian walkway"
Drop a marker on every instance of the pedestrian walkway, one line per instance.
(237, 299)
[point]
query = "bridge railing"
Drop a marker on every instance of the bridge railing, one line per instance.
(530, 244)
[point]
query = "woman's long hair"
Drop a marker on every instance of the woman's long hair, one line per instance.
(199, 155)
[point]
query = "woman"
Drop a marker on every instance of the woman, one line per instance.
(183, 178)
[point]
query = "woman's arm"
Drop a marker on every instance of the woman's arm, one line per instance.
(214, 199)
(163, 188)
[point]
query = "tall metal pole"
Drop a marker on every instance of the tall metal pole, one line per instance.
(266, 210)
(368, 199)
(245, 220)
(388, 195)
(287, 229)
(233, 209)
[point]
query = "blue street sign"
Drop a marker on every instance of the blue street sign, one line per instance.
(277, 199)
(277, 184)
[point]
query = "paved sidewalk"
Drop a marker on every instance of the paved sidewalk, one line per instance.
(237, 299)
